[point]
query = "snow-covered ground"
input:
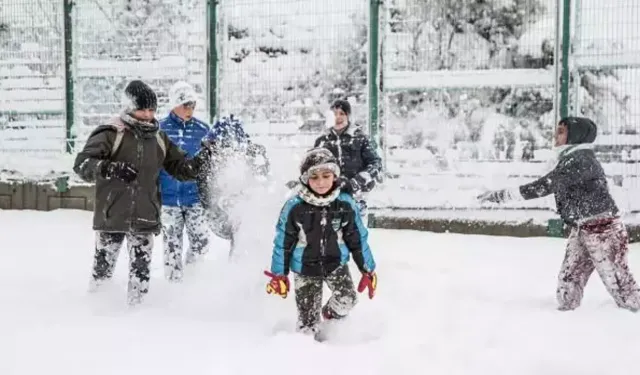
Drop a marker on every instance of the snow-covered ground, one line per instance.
(446, 304)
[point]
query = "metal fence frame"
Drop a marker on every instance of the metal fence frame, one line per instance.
(213, 66)
(565, 32)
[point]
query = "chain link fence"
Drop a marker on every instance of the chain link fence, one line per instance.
(466, 84)
(160, 42)
(32, 90)
(284, 61)
(469, 89)
(467, 71)
(605, 80)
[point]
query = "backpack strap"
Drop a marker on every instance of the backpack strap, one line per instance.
(161, 143)
(119, 127)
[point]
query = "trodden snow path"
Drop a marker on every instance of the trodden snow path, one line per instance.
(446, 304)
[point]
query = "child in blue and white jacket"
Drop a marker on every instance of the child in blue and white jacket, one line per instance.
(181, 206)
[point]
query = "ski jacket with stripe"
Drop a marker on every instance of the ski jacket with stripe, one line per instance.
(187, 135)
(356, 155)
(314, 240)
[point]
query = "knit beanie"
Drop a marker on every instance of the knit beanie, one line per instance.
(317, 159)
(138, 95)
(180, 93)
(342, 104)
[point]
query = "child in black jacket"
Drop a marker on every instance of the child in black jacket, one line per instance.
(598, 238)
(359, 162)
(317, 231)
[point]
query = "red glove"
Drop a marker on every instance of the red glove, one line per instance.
(279, 284)
(369, 280)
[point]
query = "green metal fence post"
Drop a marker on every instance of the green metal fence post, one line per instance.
(374, 55)
(68, 73)
(212, 56)
(566, 48)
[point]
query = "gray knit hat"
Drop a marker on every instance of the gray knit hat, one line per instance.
(317, 159)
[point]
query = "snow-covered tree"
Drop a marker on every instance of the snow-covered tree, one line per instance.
(288, 66)
(467, 35)
(135, 29)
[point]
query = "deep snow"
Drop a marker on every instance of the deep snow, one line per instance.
(446, 304)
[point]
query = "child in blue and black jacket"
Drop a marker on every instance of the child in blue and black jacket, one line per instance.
(318, 230)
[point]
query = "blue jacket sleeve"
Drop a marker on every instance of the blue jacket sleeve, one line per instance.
(356, 236)
(285, 240)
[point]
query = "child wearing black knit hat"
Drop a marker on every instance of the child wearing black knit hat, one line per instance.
(139, 96)
(356, 155)
(124, 158)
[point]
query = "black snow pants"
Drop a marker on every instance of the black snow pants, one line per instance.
(309, 297)
(140, 246)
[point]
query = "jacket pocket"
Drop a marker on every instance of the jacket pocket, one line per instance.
(112, 198)
(156, 206)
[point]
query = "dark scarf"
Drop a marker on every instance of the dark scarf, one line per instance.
(141, 128)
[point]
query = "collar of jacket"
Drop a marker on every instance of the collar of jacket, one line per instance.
(139, 127)
(178, 120)
(561, 152)
(308, 196)
(566, 150)
(351, 130)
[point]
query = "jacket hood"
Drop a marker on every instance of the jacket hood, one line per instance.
(580, 130)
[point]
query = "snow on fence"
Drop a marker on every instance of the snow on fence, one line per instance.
(279, 60)
(439, 79)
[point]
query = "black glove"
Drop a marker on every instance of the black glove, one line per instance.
(355, 184)
(348, 185)
(497, 196)
(202, 159)
(365, 184)
(119, 169)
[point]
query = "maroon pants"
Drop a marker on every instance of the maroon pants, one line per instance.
(600, 245)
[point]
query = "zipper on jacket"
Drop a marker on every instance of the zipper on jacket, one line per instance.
(323, 226)
(181, 130)
(134, 185)
(339, 147)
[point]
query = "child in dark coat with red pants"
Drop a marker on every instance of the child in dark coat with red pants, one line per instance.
(317, 232)
(598, 239)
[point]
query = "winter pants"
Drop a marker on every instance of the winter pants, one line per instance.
(309, 297)
(140, 246)
(174, 221)
(600, 245)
